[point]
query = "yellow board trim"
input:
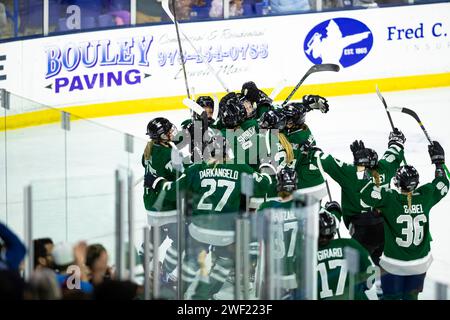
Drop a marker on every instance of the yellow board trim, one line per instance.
(47, 116)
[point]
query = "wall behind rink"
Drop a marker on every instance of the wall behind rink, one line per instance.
(138, 70)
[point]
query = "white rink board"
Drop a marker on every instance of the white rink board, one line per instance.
(265, 49)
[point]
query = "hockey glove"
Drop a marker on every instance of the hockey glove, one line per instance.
(316, 102)
(357, 146)
(396, 138)
(333, 206)
(267, 168)
(437, 153)
(273, 119)
(151, 181)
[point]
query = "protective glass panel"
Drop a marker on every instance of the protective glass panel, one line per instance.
(32, 153)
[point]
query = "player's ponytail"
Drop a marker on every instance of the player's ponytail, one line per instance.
(287, 147)
(409, 195)
(376, 176)
(148, 150)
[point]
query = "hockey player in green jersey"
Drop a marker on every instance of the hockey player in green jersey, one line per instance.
(407, 257)
(240, 129)
(215, 189)
(364, 223)
(281, 214)
(299, 135)
(207, 103)
(333, 264)
(160, 212)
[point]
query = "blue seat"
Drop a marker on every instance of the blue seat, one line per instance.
(248, 9)
(201, 12)
(88, 22)
(62, 26)
(105, 20)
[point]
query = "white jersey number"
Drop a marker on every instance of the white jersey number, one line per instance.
(413, 230)
(213, 184)
(326, 292)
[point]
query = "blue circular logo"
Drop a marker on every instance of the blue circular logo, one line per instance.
(342, 41)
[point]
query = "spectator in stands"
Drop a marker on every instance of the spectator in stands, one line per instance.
(285, 6)
(12, 250)
(121, 17)
(43, 249)
(183, 8)
(72, 273)
(216, 10)
(97, 262)
(44, 285)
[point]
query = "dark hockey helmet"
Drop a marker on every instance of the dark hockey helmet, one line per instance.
(406, 178)
(159, 129)
(295, 114)
(327, 225)
(232, 111)
(250, 91)
(204, 102)
(366, 157)
(287, 180)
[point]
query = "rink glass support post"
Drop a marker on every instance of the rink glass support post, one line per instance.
(146, 263)
(242, 268)
(28, 228)
(226, 9)
(352, 261)
(130, 203)
(133, 12)
(318, 5)
(441, 291)
(156, 269)
(4, 99)
(129, 143)
(65, 120)
(119, 225)
(45, 17)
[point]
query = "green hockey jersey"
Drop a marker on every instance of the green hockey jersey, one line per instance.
(351, 181)
(284, 237)
(245, 143)
(159, 164)
(215, 190)
(333, 274)
(406, 229)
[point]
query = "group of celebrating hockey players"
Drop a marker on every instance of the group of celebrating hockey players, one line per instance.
(271, 146)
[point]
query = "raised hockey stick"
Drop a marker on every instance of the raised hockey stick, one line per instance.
(385, 106)
(315, 68)
(194, 106)
(329, 196)
(278, 88)
(413, 114)
(165, 6)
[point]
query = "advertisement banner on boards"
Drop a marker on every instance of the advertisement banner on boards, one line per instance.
(144, 62)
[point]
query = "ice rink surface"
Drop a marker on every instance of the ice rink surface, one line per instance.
(95, 156)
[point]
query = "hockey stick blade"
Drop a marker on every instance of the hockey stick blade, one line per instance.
(192, 105)
(315, 68)
(385, 106)
(415, 116)
(216, 107)
(278, 88)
